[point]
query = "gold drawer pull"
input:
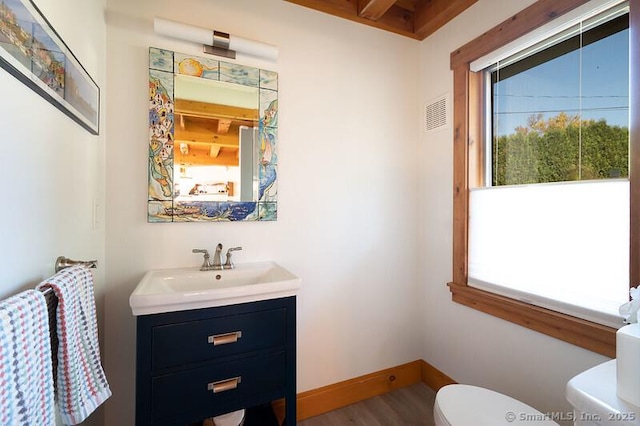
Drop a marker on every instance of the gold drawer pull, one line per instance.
(223, 339)
(224, 385)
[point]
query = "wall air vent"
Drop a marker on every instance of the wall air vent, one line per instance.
(436, 113)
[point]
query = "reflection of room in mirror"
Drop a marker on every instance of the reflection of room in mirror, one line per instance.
(206, 183)
(208, 172)
(215, 123)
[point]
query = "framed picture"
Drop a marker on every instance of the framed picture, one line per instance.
(33, 52)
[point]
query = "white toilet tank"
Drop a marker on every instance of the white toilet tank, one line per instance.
(593, 395)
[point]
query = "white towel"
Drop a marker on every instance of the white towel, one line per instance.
(26, 375)
(82, 384)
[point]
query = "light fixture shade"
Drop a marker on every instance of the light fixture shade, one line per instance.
(206, 37)
(253, 48)
(182, 31)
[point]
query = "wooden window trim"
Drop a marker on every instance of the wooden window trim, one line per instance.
(467, 154)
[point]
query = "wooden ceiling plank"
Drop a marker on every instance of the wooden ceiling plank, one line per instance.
(374, 9)
(409, 5)
(432, 15)
(208, 110)
(348, 10)
(195, 137)
(223, 126)
(341, 8)
(210, 127)
(203, 158)
(398, 18)
(416, 19)
(194, 140)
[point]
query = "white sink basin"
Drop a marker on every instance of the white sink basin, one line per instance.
(168, 290)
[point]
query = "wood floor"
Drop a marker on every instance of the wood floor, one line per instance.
(409, 406)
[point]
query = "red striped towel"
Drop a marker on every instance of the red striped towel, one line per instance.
(82, 384)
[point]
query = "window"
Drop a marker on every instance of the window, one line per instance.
(554, 143)
(559, 110)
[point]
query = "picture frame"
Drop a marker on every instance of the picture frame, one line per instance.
(33, 52)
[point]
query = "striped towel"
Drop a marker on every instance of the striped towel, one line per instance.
(26, 377)
(82, 384)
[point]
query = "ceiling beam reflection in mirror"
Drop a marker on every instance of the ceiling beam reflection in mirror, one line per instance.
(213, 133)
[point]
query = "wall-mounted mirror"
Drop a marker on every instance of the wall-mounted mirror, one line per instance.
(212, 140)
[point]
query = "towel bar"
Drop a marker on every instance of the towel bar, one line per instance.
(64, 262)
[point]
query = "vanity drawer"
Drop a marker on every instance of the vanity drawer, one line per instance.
(174, 345)
(186, 396)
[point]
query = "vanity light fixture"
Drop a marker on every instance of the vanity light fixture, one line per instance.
(215, 42)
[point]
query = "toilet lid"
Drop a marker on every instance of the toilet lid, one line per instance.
(465, 405)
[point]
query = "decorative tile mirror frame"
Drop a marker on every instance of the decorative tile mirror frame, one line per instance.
(217, 199)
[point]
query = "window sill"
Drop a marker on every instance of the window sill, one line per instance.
(586, 334)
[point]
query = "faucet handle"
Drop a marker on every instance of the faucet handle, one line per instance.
(205, 265)
(229, 264)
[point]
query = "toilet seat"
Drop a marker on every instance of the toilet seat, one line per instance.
(465, 405)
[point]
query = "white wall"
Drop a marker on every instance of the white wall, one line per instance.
(52, 170)
(347, 212)
(468, 345)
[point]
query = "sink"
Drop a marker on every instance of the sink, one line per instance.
(179, 289)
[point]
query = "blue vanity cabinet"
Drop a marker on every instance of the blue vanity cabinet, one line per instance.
(191, 365)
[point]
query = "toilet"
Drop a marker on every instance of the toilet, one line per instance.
(466, 405)
(595, 400)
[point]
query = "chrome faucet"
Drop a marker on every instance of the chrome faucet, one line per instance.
(205, 265)
(229, 264)
(217, 263)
